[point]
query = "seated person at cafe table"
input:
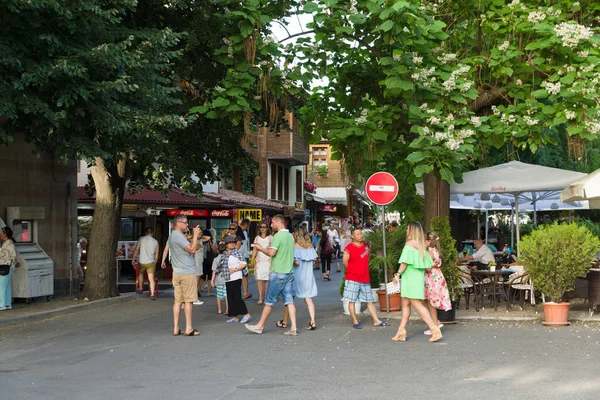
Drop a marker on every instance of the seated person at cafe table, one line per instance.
(483, 254)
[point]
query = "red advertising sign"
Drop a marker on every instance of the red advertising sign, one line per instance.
(221, 213)
(187, 213)
(201, 213)
(381, 188)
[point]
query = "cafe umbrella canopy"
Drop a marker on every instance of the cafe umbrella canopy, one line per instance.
(515, 178)
(586, 188)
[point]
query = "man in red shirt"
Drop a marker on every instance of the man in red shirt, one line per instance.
(358, 282)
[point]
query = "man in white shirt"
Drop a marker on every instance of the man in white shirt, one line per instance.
(483, 254)
(147, 248)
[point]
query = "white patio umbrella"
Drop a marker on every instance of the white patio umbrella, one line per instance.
(515, 178)
(586, 188)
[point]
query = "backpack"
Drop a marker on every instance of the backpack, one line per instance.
(327, 250)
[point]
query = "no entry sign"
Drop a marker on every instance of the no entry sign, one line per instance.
(382, 188)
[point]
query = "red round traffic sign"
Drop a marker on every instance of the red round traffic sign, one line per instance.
(381, 188)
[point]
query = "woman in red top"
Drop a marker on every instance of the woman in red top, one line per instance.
(358, 281)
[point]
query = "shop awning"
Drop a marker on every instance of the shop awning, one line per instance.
(315, 198)
(333, 195)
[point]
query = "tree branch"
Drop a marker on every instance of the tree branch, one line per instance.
(295, 35)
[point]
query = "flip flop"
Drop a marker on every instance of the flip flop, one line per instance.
(281, 324)
(383, 323)
(178, 333)
(195, 332)
(291, 333)
(231, 320)
(357, 326)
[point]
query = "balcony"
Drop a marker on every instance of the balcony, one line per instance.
(287, 148)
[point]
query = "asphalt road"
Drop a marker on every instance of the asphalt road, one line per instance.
(127, 351)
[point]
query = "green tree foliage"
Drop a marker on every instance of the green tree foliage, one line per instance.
(416, 87)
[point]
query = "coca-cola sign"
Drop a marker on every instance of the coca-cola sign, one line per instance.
(187, 213)
(201, 213)
(221, 213)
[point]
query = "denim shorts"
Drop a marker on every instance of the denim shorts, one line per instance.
(280, 284)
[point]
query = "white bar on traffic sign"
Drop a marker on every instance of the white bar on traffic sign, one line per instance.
(381, 188)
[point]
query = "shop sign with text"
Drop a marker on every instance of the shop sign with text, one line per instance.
(253, 214)
(201, 213)
(328, 208)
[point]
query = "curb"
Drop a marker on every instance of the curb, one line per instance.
(89, 305)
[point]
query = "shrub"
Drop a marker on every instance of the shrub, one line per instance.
(556, 255)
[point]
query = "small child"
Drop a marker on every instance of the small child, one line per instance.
(218, 281)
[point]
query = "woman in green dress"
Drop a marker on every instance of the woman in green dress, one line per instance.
(414, 261)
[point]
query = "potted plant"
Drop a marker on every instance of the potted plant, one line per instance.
(374, 277)
(345, 304)
(321, 170)
(554, 256)
(449, 257)
(394, 244)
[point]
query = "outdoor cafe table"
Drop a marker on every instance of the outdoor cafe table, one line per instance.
(494, 277)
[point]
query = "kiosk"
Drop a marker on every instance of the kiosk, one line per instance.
(35, 275)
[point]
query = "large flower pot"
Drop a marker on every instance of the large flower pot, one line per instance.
(395, 301)
(557, 314)
(357, 307)
(447, 317)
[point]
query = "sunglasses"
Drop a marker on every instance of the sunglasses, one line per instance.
(262, 227)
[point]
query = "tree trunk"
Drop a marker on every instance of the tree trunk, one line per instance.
(101, 274)
(437, 199)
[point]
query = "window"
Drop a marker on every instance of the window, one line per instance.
(286, 184)
(273, 181)
(279, 183)
(299, 186)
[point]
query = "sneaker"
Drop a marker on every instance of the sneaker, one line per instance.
(2, 308)
(198, 303)
(153, 297)
(252, 328)
(139, 291)
(291, 333)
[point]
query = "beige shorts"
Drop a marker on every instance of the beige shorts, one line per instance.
(150, 268)
(185, 288)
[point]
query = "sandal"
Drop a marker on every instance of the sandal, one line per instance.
(311, 327)
(178, 333)
(281, 324)
(400, 337)
(195, 332)
(260, 302)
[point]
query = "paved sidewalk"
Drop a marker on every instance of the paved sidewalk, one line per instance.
(42, 309)
(328, 298)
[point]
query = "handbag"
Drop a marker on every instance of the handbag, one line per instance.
(393, 288)
(4, 269)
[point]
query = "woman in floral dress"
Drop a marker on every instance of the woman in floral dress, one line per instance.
(436, 290)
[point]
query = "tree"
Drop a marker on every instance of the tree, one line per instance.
(426, 88)
(87, 80)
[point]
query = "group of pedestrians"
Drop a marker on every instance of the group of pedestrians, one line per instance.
(284, 268)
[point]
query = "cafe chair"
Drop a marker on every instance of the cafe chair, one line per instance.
(468, 287)
(519, 281)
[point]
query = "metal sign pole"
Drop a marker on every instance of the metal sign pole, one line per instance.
(387, 295)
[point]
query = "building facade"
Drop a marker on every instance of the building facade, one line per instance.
(38, 201)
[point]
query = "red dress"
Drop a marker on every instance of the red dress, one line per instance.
(436, 290)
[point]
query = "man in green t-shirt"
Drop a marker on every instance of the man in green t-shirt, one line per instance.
(281, 278)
